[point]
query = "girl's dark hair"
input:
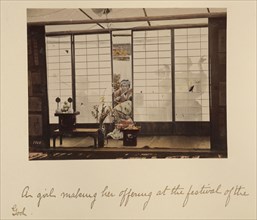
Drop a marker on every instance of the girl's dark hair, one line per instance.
(126, 81)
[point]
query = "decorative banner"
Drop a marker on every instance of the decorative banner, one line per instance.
(121, 52)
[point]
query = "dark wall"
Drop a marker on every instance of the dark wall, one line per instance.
(218, 113)
(37, 88)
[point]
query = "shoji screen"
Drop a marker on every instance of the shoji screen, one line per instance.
(191, 75)
(59, 84)
(93, 73)
(152, 75)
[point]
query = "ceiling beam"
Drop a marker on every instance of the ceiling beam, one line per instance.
(91, 18)
(149, 24)
(133, 19)
(96, 31)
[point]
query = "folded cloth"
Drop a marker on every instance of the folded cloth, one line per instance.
(115, 134)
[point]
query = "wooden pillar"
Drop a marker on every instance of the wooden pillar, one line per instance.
(37, 89)
(218, 81)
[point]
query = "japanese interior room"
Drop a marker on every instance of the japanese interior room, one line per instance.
(117, 83)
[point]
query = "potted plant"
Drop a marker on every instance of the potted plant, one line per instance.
(100, 112)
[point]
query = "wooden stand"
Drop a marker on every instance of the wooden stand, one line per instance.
(67, 121)
(130, 136)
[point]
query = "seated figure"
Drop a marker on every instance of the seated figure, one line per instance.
(122, 110)
(124, 93)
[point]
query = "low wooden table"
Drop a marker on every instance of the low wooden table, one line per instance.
(130, 136)
(67, 121)
(85, 132)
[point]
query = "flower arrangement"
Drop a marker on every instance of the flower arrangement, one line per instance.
(66, 108)
(100, 112)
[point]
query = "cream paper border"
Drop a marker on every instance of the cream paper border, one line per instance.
(142, 175)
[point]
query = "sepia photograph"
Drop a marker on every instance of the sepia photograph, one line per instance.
(127, 83)
(128, 109)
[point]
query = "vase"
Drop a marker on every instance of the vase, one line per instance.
(100, 138)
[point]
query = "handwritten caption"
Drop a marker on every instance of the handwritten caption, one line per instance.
(127, 195)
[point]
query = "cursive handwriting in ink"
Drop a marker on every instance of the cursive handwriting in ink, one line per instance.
(238, 191)
(228, 193)
(163, 192)
(25, 193)
(45, 195)
(203, 191)
(176, 190)
(106, 193)
(80, 194)
(16, 212)
(127, 194)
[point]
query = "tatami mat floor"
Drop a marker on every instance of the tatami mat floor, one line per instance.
(176, 142)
